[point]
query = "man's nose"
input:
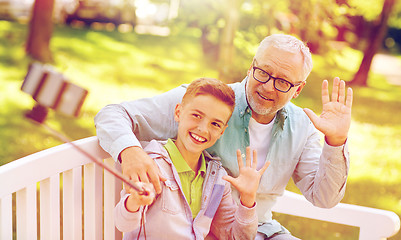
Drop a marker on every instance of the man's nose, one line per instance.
(268, 86)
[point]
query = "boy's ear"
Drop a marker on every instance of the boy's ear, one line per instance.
(177, 112)
(224, 128)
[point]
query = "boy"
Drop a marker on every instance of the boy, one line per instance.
(195, 199)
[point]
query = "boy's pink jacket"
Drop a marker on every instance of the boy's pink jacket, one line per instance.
(170, 217)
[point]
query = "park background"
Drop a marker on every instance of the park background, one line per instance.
(164, 43)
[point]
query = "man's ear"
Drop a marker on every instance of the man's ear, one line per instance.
(177, 112)
(250, 69)
(299, 89)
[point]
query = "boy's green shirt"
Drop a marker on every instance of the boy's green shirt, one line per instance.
(191, 184)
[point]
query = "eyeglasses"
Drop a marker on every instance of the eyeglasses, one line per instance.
(279, 84)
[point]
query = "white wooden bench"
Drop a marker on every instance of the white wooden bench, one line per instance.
(67, 184)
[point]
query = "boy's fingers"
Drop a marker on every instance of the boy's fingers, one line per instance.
(228, 179)
(239, 158)
(255, 159)
(248, 157)
(144, 198)
(265, 166)
(132, 191)
(151, 193)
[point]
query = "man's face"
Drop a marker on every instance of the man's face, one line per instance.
(263, 98)
(202, 120)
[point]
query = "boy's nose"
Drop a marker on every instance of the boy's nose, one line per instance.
(202, 127)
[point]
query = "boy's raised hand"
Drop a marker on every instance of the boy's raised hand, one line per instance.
(247, 182)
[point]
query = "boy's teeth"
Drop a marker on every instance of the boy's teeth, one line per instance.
(198, 138)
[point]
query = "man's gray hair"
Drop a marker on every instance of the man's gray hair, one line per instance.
(290, 44)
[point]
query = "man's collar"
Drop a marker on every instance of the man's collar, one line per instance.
(242, 103)
(281, 115)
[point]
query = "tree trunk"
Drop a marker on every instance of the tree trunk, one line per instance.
(227, 48)
(40, 31)
(377, 35)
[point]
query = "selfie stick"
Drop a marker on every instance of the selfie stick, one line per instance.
(111, 170)
(50, 89)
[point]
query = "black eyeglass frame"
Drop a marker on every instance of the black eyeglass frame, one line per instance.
(274, 80)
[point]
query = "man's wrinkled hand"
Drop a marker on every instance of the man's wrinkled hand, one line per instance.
(335, 119)
(139, 167)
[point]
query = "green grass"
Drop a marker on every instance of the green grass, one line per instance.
(115, 67)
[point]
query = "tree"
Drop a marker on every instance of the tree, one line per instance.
(375, 40)
(218, 21)
(249, 21)
(37, 45)
(205, 15)
(40, 31)
(227, 48)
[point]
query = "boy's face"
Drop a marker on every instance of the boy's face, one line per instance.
(201, 121)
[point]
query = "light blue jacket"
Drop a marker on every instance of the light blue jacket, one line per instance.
(295, 148)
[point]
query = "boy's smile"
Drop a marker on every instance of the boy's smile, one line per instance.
(202, 120)
(197, 138)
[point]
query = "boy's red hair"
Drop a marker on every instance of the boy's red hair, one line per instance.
(213, 87)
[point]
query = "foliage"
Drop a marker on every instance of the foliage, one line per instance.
(123, 66)
(363, 15)
(395, 18)
(316, 22)
(312, 20)
(205, 15)
(369, 9)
